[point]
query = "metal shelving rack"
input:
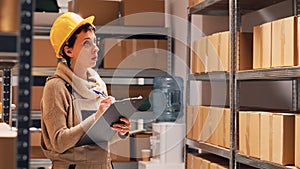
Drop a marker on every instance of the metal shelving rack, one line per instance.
(236, 8)
(120, 76)
(17, 48)
(135, 32)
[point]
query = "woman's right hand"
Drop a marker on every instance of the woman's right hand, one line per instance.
(104, 105)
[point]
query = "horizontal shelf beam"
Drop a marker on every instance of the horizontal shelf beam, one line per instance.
(131, 30)
(221, 7)
(137, 73)
(284, 73)
(211, 76)
(220, 151)
(258, 163)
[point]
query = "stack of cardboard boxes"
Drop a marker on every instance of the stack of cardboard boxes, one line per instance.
(205, 161)
(276, 43)
(209, 124)
(273, 44)
(268, 136)
(135, 53)
(212, 53)
(129, 53)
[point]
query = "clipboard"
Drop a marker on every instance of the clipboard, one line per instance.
(101, 130)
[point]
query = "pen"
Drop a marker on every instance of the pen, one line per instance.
(99, 93)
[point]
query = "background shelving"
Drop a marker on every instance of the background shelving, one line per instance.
(235, 9)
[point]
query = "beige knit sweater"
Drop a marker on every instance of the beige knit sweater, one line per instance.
(62, 125)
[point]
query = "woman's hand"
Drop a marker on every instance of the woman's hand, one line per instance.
(104, 105)
(122, 127)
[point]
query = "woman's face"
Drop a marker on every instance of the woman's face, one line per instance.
(85, 50)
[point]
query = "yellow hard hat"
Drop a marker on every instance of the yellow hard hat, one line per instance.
(63, 27)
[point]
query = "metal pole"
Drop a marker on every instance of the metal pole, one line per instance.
(234, 20)
(6, 95)
(24, 84)
(295, 94)
(296, 7)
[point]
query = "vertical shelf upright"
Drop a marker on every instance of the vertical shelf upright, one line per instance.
(234, 28)
(24, 84)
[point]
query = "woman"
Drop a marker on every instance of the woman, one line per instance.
(70, 104)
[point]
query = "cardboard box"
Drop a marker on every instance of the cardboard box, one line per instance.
(213, 166)
(218, 50)
(136, 54)
(265, 136)
(9, 16)
(284, 42)
(245, 60)
(35, 145)
(143, 12)
(8, 147)
(249, 133)
(190, 121)
(204, 124)
(297, 141)
(205, 164)
(216, 126)
(105, 11)
(137, 143)
(189, 161)
(146, 54)
(199, 56)
(44, 18)
(197, 163)
(113, 52)
(43, 53)
(125, 91)
(213, 52)
(1, 110)
(224, 54)
(195, 2)
(283, 138)
(36, 97)
(120, 150)
(226, 119)
(262, 46)
(198, 123)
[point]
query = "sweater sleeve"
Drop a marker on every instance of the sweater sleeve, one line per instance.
(59, 119)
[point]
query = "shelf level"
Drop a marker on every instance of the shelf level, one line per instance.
(220, 151)
(240, 158)
(124, 31)
(119, 31)
(221, 7)
(258, 163)
(284, 73)
(212, 76)
(110, 76)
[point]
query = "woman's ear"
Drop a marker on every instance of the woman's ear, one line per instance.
(68, 51)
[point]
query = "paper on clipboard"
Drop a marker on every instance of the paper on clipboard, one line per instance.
(101, 130)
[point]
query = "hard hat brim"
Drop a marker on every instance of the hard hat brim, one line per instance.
(89, 20)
